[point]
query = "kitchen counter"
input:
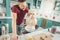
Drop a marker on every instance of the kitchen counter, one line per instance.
(56, 36)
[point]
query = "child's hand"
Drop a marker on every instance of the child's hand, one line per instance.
(30, 16)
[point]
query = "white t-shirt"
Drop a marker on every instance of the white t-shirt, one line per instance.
(30, 28)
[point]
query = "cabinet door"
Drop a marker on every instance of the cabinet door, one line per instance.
(56, 23)
(39, 21)
(48, 23)
(43, 23)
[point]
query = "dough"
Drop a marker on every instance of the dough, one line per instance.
(42, 36)
(36, 37)
(45, 36)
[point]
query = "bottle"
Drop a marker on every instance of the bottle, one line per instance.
(6, 28)
(3, 33)
(53, 30)
(7, 32)
(3, 30)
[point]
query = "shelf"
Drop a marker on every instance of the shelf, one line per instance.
(56, 11)
(57, 20)
(51, 19)
(5, 17)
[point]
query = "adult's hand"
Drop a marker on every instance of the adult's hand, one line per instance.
(14, 37)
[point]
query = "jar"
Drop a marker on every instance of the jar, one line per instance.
(53, 30)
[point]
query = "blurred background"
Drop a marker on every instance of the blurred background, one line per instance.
(47, 12)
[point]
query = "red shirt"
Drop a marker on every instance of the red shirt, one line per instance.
(20, 14)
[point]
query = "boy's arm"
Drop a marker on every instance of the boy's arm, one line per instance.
(14, 16)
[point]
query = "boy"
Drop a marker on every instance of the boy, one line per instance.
(18, 14)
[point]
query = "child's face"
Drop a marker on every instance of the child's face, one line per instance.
(22, 5)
